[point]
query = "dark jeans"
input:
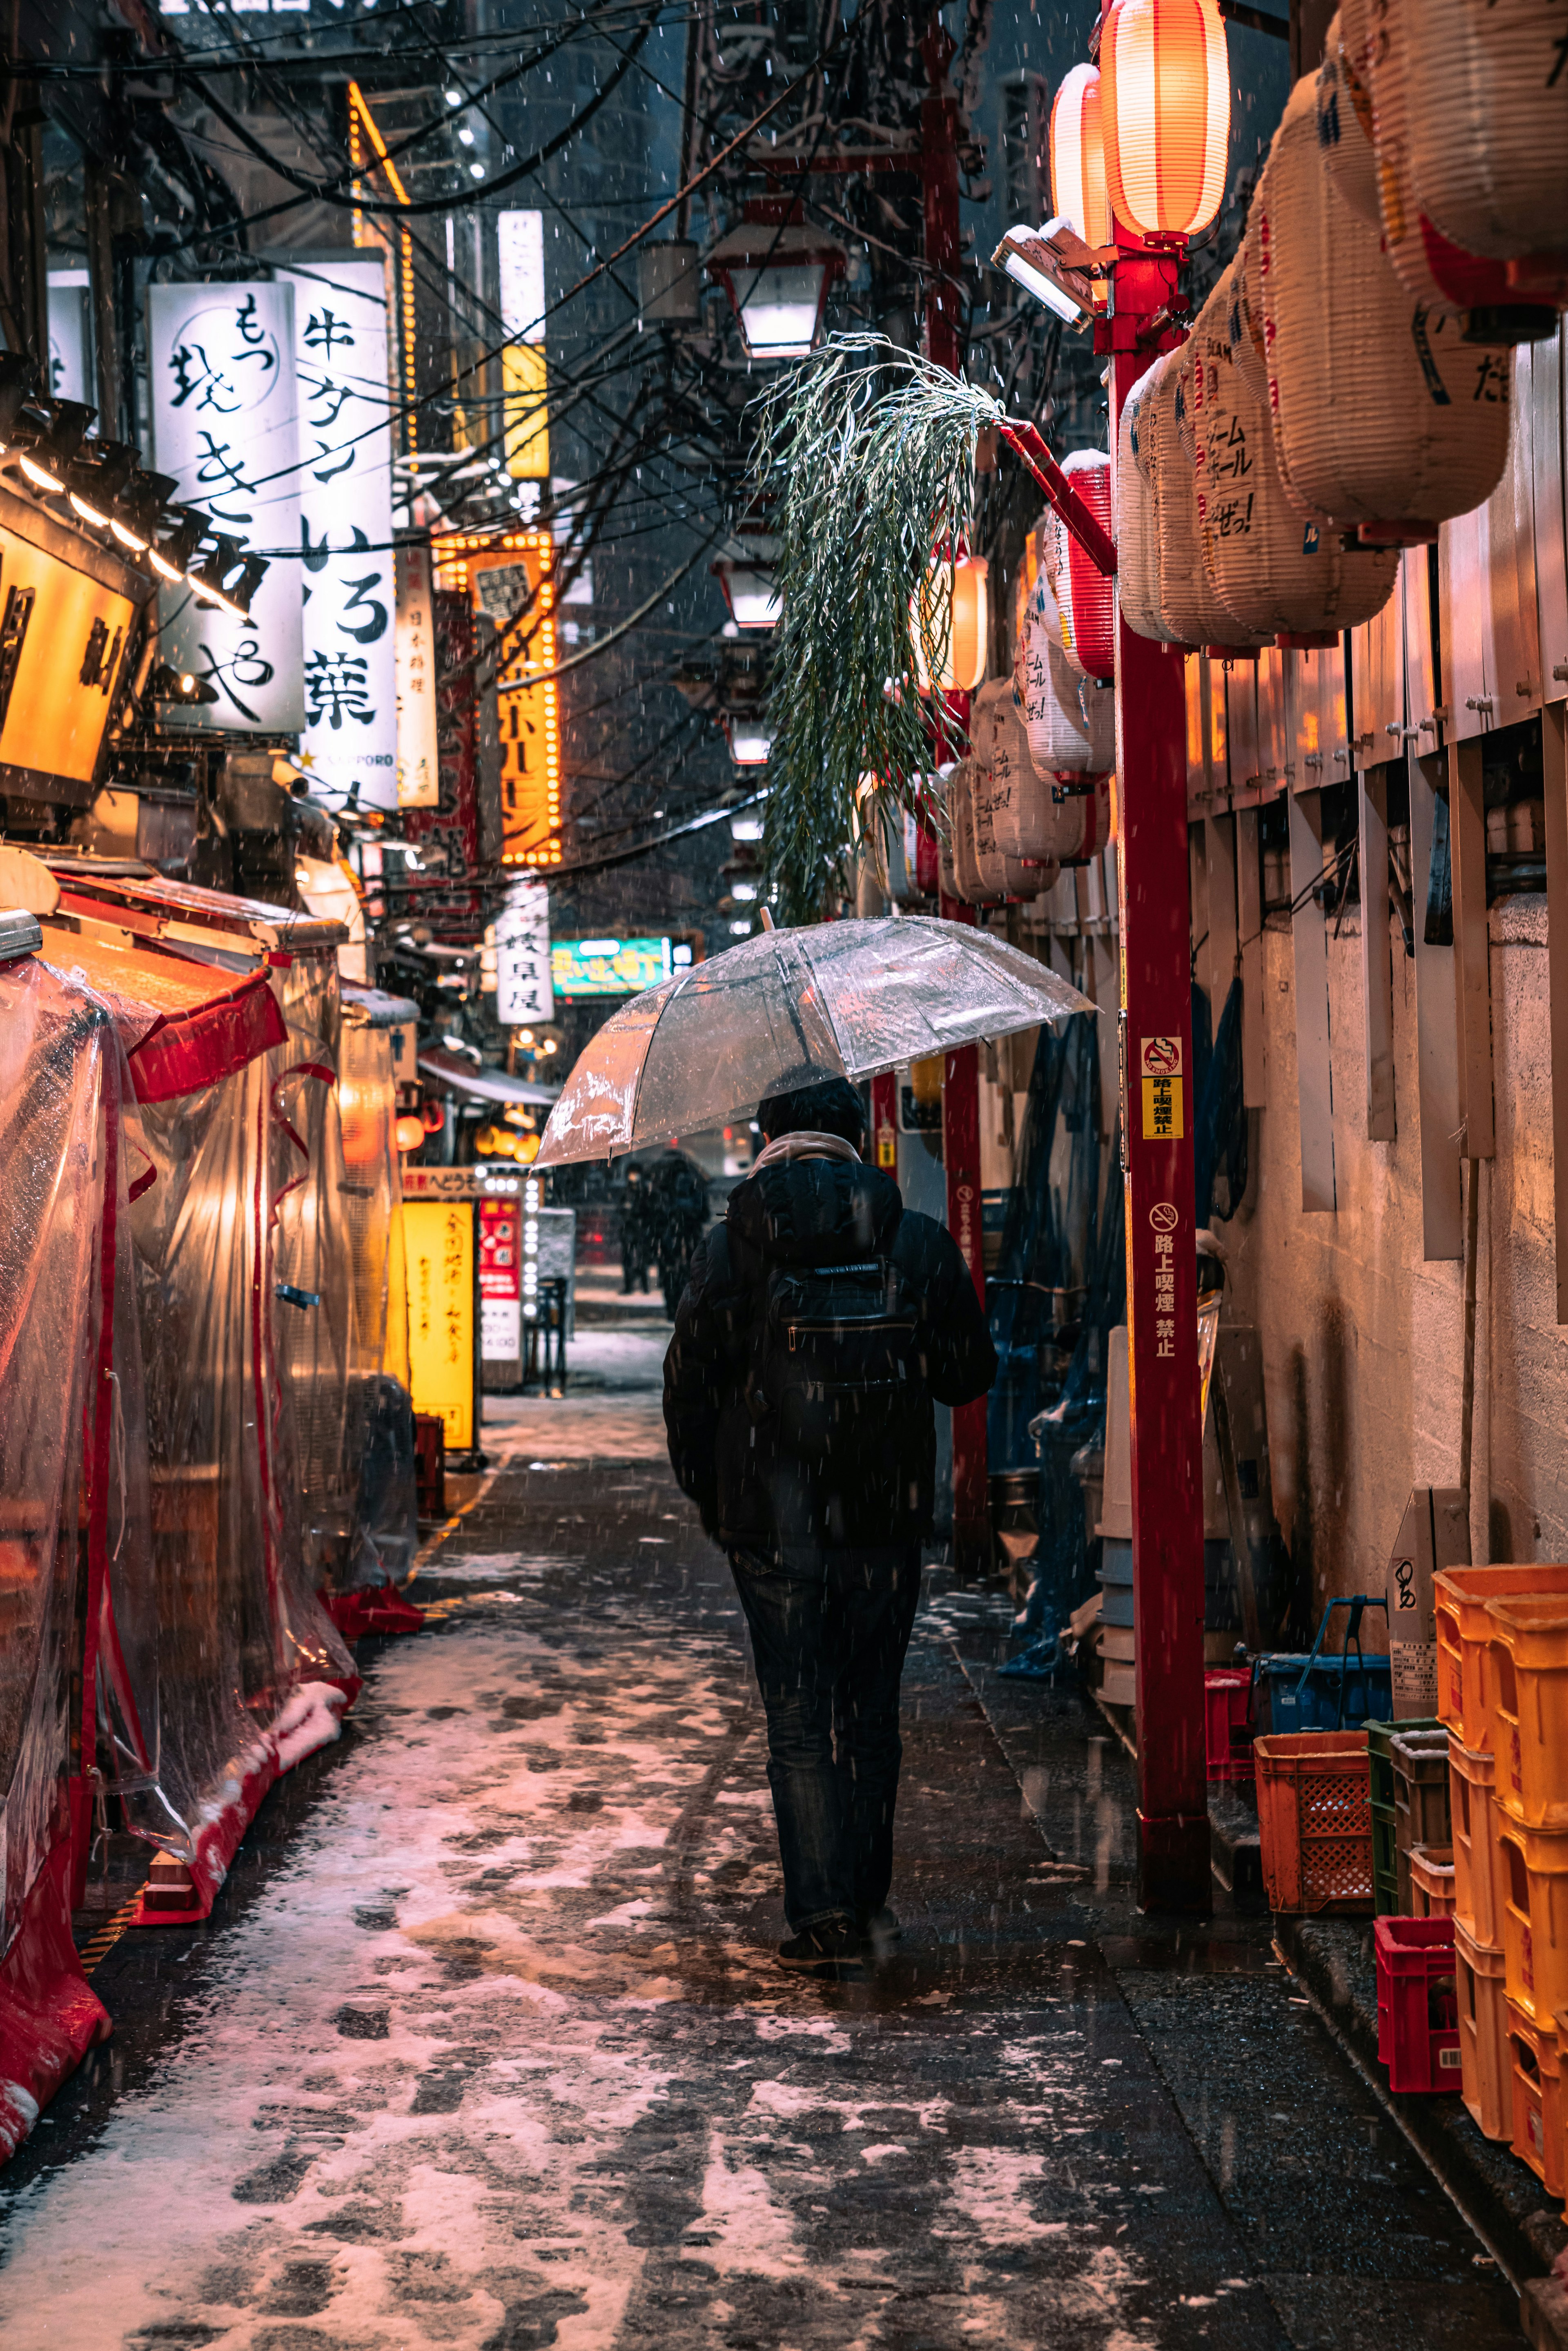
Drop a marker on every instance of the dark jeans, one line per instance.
(829, 1630)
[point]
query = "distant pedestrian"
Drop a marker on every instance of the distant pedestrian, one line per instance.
(821, 1321)
(636, 1240)
(674, 1191)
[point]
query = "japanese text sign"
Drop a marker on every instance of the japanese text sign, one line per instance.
(224, 424)
(348, 585)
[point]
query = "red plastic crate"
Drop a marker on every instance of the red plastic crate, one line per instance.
(1228, 1725)
(1418, 2003)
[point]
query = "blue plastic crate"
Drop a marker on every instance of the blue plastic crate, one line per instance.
(1282, 1700)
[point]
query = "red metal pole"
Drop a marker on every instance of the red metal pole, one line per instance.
(1162, 1271)
(960, 1071)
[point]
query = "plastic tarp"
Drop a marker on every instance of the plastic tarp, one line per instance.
(353, 1422)
(68, 1432)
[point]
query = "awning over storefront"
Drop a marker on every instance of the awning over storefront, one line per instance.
(184, 1025)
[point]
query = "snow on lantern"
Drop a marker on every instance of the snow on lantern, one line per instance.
(776, 272)
(1165, 97)
(1078, 192)
(1085, 596)
(949, 619)
(1383, 414)
(1272, 569)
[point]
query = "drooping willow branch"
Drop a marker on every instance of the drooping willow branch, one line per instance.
(865, 469)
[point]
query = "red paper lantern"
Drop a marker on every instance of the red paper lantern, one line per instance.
(1085, 596)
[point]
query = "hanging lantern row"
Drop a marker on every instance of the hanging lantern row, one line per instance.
(1346, 387)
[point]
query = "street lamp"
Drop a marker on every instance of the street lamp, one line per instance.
(748, 747)
(747, 580)
(776, 272)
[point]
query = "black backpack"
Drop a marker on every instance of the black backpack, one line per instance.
(836, 1361)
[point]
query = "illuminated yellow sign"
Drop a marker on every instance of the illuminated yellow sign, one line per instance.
(518, 577)
(438, 1237)
(525, 412)
(68, 629)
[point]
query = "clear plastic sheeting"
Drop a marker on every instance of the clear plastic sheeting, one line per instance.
(62, 1449)
(238, 1167)
(383, 1532)
(839, 1000)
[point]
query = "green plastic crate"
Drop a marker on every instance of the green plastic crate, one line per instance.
(1384, 1862)
(1380, 1762)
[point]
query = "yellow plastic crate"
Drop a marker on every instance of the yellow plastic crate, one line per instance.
(1465, 1630)
(1527, 1684)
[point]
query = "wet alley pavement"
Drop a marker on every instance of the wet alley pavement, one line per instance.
(484, 2045)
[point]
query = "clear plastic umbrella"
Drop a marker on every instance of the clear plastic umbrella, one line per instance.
(788, 1008)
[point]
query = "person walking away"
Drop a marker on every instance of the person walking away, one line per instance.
(677, 1191)
(821, 1321)
(635, 1241)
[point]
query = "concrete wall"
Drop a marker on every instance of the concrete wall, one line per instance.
(1363, 1341)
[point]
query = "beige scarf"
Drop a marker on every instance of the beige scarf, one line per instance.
(805, 1143)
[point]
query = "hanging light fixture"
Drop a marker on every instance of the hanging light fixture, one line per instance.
(1165, 95)
(1078, 161)
(94, 477)
(170, 555)
(950, 617)
(748, 746)
(43, 439)
(776, 272)
(746, 578)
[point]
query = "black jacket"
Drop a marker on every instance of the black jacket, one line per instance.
(813, 1212)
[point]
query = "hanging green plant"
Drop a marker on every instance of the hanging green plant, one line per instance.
(865, 465)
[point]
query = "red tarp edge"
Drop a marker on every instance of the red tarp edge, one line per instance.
(371, 1608)
(186, 1050)
(50, 2015)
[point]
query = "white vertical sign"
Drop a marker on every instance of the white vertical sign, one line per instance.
(350, 738)
(224, 424)
(523, 989)
(520, 259)
(69, 343)
(418, 760)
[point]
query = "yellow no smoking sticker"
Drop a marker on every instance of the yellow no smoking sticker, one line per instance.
(1159, 1064)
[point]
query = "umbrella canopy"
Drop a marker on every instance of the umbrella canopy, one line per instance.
(790, 1008)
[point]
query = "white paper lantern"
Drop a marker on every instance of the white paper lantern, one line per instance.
(1061, 712)
(1247, 347)
(1382, 415)
(1137, 536)
(971, 884)
(1487, 93)
(1272, 567)
(1085, 596)
(1003, 775)
(1189, 608)
(1384, 43)
(1344, 127)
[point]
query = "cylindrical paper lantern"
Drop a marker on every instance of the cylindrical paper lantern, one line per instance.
(1031, 822)
(1085, 596)
(1001, 759)
(1247, 345)
(1275, 569)
(1429, 265)
(1078, 160)
(1486, 92)
(1381, 412)
(951, 613)
(1051, 698)
(1165, 99)
(961, 829)
(1137, 534)
(1344, 129)
(1189, 608)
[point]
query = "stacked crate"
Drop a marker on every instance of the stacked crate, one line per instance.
(1502, 1640)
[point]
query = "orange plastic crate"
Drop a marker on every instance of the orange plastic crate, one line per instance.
(1537, 2097)
(1432, 1881)
(1465, 1632)
(1535, 1916)
(1480, 1874)
(1486, 2064)
(1527, 1686)
(1315, 1819)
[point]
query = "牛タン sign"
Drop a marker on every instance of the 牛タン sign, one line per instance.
(347, 581)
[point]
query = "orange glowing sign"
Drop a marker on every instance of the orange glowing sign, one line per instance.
(507, 577)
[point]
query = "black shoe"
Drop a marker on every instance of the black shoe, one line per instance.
(879, 1931)
(822, 1950)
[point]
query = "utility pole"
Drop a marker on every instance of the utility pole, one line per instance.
(1156, 1131)
(961, 1071)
